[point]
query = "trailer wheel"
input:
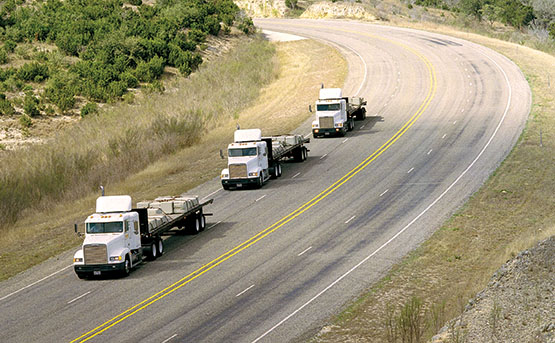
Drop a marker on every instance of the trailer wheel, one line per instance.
(202, 222)
(278, 170)
(305, 153)
(160, 247)
(153, 251)
(195, 226)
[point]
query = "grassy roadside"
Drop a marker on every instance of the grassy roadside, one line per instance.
(279, 107)
(512, 211)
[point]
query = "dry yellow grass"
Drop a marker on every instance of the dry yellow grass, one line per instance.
(513, 211)
(42, 234)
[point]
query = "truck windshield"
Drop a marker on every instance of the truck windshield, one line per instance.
(242, 152)
(105, 227)
(328, 107)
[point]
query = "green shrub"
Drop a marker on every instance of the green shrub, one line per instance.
(33, 72)
(30, 105)
(9, 45)
(136, 2)
(3, 56)
(89, 108)
(246, 25)
(130, 79)
(25, 121)
(6, 107)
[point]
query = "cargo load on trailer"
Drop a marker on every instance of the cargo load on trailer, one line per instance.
(252, 159)
(336, 114)
(118, 237)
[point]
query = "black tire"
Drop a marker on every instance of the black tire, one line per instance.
(153, 254)
(298, 154)
(279, 170)
(305, 153)
(260, 181)
(202, 222)
(194, 226)
(127, 268)
(160, 243)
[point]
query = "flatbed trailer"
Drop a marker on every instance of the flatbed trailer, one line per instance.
(119, 237)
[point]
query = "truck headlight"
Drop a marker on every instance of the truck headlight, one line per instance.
(253, 174)
(77, 259)
(225, 176)
(339, 124)
(115, 258)
(314, 125)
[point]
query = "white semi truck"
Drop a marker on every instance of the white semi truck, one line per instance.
(335, 114)
(253, 159)
(118, 237)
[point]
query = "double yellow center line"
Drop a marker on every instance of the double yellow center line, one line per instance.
(305, 207)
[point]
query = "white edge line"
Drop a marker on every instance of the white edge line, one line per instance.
(251, 286)
(305, 250)
(262, 197)
(211, 226)
(79, 297)
(348, 220)
(169, 338)
(216, 191)
(34, 283)
(416, 218)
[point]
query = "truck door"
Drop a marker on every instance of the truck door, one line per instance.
(134, 241)
(262, 156)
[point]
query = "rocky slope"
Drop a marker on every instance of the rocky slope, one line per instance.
(517, 305)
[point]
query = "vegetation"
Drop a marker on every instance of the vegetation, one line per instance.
(105, 149)
(100, 48)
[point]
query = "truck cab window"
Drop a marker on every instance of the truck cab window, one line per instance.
(114, 227)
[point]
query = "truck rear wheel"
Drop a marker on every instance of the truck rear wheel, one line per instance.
(305, 153)
(153, 254)
(160, 247)
(202, 222)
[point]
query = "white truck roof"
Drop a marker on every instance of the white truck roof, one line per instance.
(330, 93)
(114, 203)
(247, 135)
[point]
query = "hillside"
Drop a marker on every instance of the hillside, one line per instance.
(59, 59)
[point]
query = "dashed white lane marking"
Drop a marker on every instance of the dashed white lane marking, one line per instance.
(471, 83)
(34, 283)
(429, 152)
(243, 292)
(346, 139)
(262, 197)
(169, 338)
(445, 135)
(400, 232)
(362, 126)
(387, 190)
(454, 122)
(213, 225)
(305, 250)
(212, 193)
(348, 220)
(410, 170)
(294, 176)
(324, 155)
(79, 297)
(462, 110)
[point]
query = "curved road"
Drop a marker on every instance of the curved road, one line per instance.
(276, 262)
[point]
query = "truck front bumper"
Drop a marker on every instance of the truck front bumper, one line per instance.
(239, 182)
(326, 132)
(98, 269)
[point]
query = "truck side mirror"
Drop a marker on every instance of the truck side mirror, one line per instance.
(310, 108)
(221, 154)
(76, 228)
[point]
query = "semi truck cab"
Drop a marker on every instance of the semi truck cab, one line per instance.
(331, 113)
(112, 239)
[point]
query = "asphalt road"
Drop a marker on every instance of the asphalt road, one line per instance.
(277, 261)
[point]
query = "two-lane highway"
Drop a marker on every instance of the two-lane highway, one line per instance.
(277, 261)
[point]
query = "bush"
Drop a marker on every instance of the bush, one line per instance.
(129, 79)
(33, 72)
(136, 2)
(25, 121)
(10, 45)
(3, 56)
(30, 105)
(89, 108)
(246, 25)
(6, 107)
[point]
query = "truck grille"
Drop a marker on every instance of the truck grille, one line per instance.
(95, 254)
(326, 122)
(237, 171)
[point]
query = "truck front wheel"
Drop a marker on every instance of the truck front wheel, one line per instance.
(126, 268)
(260, 181)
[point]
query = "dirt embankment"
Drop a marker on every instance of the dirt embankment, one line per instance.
(516, 306)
